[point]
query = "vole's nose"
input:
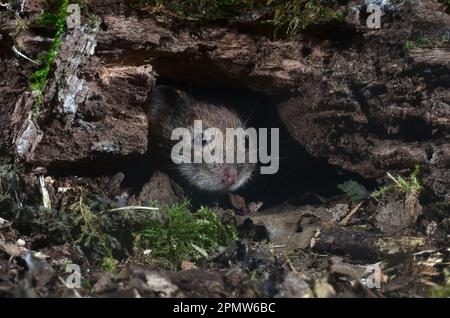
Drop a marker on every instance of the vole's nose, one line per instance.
(229, 176)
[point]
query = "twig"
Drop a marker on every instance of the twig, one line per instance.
(15, 50)
(136, 293)
(308, 213)
(393, 178)
(294, 270)
(424, 252)
(143, 208)
(352, 212)
(46, 201)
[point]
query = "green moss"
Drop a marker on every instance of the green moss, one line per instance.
(107, 235)
(442, 204)
(292, 17)
(404, 186)
(199, 9)
(109, 264)
(288, 17)
(184, 236)
(424, 42)
(440, 292)
(76, 220)
(87, 284)
(55, 18)
(87, 225)
(444, 290)
(8, 185)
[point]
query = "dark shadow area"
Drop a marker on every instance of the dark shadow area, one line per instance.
(299, 173)
(301, 177)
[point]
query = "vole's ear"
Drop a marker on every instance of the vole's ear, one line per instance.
(166, 98)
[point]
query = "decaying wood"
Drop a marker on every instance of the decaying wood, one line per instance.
(366, 109)
(363, 246)
(434, 56)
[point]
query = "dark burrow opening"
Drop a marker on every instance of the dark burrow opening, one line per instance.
(301, 177)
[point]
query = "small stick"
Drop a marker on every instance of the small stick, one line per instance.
(15, 50)
(143, 208)
(294, 270)
(395, 180)
(352, 212)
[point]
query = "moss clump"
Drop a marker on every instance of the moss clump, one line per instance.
(406, 187)
(184, 236)
(76, 219)
(425, 42)
(109, 264)
(291, 17)
(444, 290)
(442, 204)
(108, 235)
(200, 9)
(8, 185)
(94, 233)
(55, 18)
(288, 17)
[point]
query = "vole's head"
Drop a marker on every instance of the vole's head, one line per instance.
(217, 172)
(214, 173)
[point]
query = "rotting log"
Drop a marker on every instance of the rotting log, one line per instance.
(362, 101)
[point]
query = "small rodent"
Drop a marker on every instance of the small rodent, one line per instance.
(168, 109)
